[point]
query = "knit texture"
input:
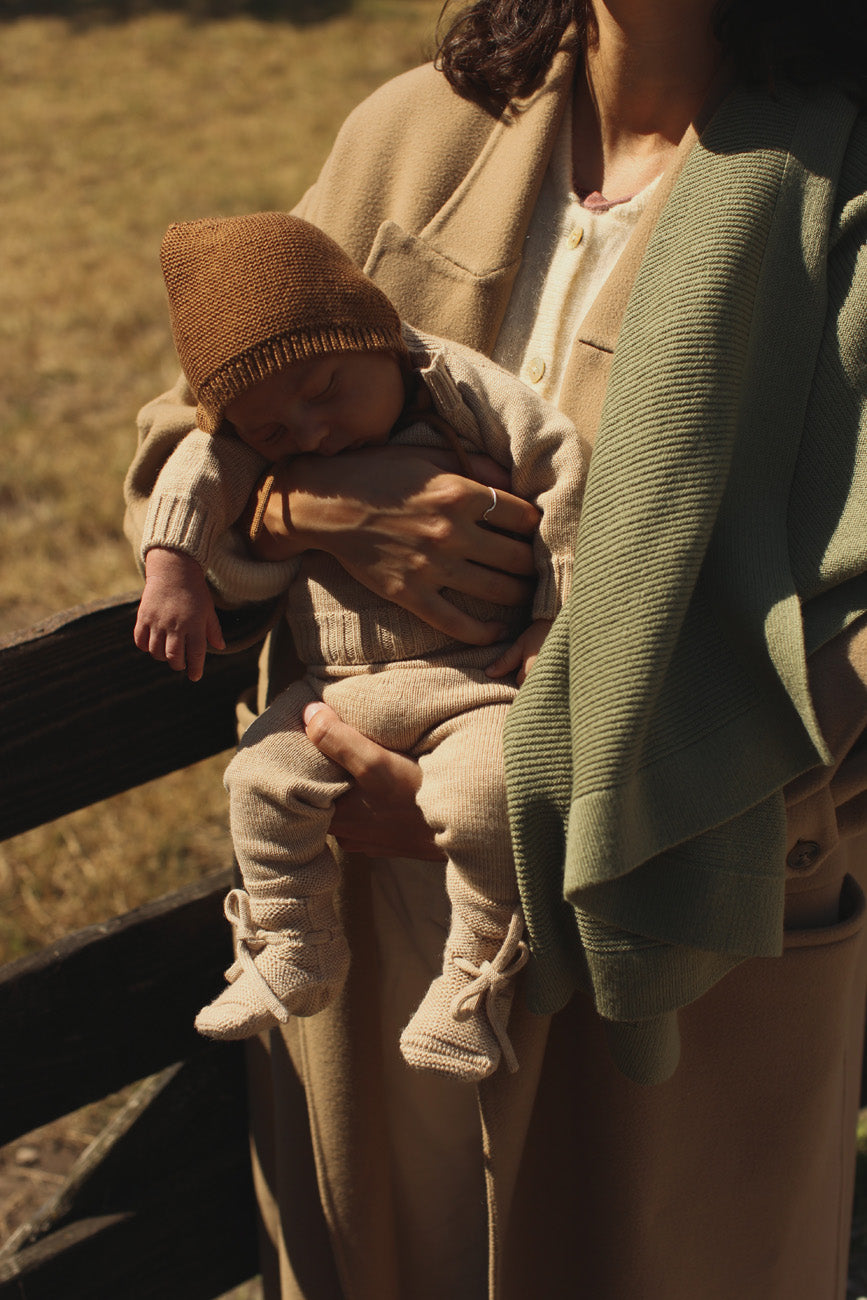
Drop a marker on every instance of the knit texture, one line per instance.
(281, 797)
(292, 956)
(204, 485)
(459, 1030)
(647, 753)
(378, 666)
(250, 295)
(826, 536)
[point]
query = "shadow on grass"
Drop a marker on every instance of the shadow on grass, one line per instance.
(87, 13)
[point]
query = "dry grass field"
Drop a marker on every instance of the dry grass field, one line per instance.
(116, 119)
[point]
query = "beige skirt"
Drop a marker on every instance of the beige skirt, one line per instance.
(732, 1180)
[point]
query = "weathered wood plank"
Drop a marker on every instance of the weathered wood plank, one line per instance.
(85, 715)
(110, 1004)
(162, 1203)
(160, 1207)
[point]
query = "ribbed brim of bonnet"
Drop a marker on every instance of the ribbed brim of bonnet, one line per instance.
(250, 295)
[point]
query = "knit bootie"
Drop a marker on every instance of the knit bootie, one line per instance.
(292, 971)
(460, 1028)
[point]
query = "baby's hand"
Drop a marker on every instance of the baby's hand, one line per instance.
(176, 617)
(523, 653)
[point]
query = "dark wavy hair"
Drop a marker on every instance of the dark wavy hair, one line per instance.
(496, 50)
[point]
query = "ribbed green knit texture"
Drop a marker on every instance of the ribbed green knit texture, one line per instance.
(646, 754)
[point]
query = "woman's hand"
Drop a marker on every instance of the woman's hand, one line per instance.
(379, 815)
(401, 521)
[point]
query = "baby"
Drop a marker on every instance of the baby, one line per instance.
(289, 348)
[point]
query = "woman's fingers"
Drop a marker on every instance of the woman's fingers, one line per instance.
(441, 614)
(378, 815)
(490, 584)
(488, 471)
(374, 768)
(493, 550)
(394, 834)
(503, 510)
(409, 528)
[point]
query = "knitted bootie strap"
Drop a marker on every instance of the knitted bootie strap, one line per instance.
(250, 936)
(490, 980)
(237, 911)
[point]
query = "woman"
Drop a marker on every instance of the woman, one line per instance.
(732, 286)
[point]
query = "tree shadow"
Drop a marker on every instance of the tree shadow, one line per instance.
(90, 13)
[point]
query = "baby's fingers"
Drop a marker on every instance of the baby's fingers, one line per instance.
(152, 640)
(196, 650)
(508, 661)
(214, 633)
(142, 635)
(175, 651)
(197, 645)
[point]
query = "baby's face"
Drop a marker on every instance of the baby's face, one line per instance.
(326, 405)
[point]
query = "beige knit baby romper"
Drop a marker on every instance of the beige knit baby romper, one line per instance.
(408, 687)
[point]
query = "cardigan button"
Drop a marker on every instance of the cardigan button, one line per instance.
(803, 855)
(575, 237)
(535, 370)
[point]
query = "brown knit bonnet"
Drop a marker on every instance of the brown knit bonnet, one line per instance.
(250, 295)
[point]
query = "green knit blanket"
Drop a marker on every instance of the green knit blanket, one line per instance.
(722, 539)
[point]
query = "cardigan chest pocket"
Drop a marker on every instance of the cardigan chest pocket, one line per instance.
(436, 294)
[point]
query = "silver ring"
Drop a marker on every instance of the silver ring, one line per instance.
(492, 506)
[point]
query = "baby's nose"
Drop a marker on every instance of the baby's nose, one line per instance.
(309, 433)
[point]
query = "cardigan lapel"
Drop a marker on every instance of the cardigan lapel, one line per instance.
(586, 377)
(448, 280)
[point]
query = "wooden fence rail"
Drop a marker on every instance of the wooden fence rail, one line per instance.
(160, 1207)
(161, 1204)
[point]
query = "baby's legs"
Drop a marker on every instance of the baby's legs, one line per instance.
(460, 1027)
(292, 955)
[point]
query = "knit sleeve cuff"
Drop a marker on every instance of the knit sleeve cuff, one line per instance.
(552, 586)
(239, 579)
(178, 524)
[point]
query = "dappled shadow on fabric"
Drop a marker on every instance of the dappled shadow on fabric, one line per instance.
(89, 13)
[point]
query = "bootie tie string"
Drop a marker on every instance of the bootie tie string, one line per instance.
(237, 911)
(490, 980)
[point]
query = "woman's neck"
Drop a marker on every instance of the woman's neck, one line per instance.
(648, 67)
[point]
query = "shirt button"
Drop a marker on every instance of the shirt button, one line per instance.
(535, 370)
(803, 855)
(576, 236)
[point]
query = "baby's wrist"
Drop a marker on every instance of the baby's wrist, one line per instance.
(161, 561)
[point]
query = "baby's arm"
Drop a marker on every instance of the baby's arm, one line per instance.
(200, 492)
(176, 619)
(523, 653)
